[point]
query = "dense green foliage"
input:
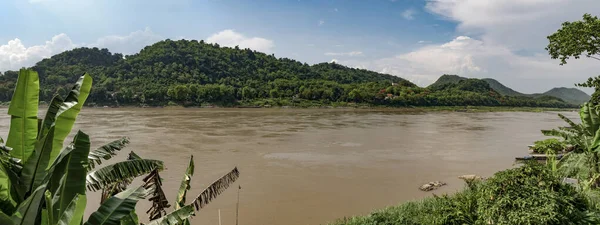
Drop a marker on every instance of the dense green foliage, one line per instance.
(578, 38)
(193, 73)
(549, 146)
(530, 194)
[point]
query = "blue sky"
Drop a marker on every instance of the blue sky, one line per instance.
(415, 39)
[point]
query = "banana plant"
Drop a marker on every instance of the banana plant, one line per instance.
(44, 182)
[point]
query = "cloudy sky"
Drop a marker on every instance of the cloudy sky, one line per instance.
(415, 39)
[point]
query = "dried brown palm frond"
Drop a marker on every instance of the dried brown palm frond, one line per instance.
(157, 196)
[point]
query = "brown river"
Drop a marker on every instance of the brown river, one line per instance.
(311, 166)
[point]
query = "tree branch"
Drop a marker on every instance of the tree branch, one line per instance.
(593, 57)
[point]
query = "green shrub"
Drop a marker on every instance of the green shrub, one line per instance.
(530, 194)
(548, 146)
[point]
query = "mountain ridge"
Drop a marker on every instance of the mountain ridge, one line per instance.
(571, 95)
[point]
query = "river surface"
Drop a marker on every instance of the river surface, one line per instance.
(311, 166)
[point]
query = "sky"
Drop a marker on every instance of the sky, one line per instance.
(418, 40)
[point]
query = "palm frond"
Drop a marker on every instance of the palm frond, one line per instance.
(120, 172)
(185, 184)
(157, 197)
(106, 152)
(133, 156)
(215, 189)
(113, 189)
(569, 121)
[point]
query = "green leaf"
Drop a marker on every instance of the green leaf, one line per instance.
(106, 152)
(590, 118)
(131, 219)
(5, 219)
(133, 156)
(66, 120)
(34, 170)
(179, 216)
(48, 210)
(7, 189)
(28, 211)
(121, 171)
(185, 184)
(115, 208)
(69, 215)
(23, 110)
(72, 170)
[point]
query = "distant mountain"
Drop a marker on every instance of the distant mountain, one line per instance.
(500, 88)
(447, 79)
(570, 95)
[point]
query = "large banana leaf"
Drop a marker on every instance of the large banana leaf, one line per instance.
(7, 203)
(184, 187)
(28, 211)
(590, 118)
(69, 215)
(117, 207)
(66, 119)
(23, 110)
(121, 171)
(34, 170)
(179, 216)
(106, 152)
(72, 171)
(215, 189)
(131, 219)
(5, 219)
(114, 188)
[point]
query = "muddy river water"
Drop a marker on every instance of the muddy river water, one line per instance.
(311, 166)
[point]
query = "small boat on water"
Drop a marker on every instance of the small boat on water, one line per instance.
(538, 157)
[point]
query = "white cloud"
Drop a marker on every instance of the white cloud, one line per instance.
(423, 42)
(321, 22)
(516, 24)
(128, 44)
(471, 57)
(409, 14)
(500, 39)
(231, 38)
(15, 54)
(353, 53)
(333, 61)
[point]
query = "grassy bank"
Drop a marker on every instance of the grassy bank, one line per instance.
(531, 194)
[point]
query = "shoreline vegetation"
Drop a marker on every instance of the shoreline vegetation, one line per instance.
(349, 106)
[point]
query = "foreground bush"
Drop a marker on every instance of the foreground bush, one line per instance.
(549, 146)
(531, 194)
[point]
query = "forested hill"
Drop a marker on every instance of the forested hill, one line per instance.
(570, 95)
(189, 72)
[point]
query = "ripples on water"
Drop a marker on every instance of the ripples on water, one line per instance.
(301, 166)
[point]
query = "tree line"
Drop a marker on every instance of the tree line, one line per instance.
(192, 73)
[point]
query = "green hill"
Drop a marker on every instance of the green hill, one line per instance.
(193, 73)
(500, 88)
(571, 95)
(447, 79)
